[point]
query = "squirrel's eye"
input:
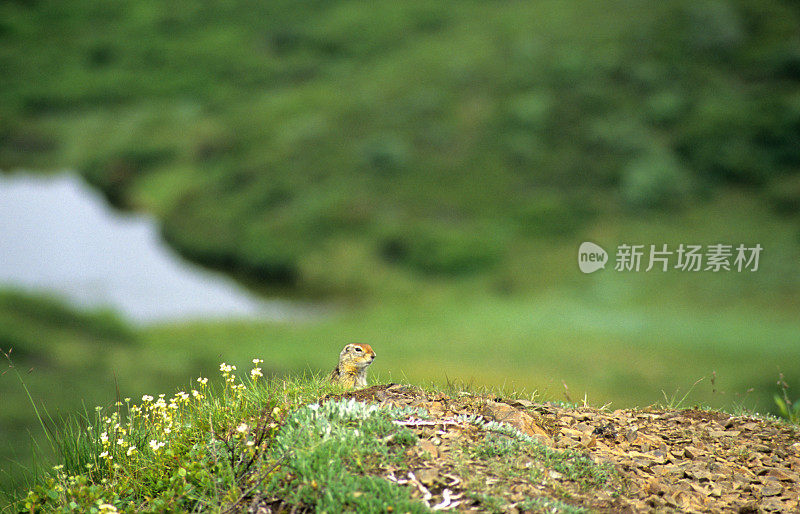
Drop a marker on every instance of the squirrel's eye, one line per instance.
(358, 349)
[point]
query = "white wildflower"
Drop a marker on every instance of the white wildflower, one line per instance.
(227, 368)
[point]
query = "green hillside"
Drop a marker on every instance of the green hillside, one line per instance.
(298, 144)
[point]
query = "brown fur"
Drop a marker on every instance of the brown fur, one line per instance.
(351, 371)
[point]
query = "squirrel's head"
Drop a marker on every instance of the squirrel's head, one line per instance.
(357, 354)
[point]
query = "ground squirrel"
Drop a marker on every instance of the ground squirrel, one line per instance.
(352, 368)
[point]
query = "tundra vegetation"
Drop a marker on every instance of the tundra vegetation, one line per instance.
(429, 179)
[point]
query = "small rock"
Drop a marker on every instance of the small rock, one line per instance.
(782, 475)
(749, 508)
(569, 432)
(498, 411)
(772, 489)
(654, 486)
(654, 501)
(678, 499)
(698, 474)
(435, 408)
(426, 475)
(428, 446)
(691, 452)
(521, 403)
(696, 488)
(724, 433)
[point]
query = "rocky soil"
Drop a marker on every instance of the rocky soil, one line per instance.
(664, 461)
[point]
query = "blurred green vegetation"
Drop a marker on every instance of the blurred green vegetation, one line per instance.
(433, 166)
(275, 139)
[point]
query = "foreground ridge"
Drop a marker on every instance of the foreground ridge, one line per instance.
(255, 446)
(682, 460)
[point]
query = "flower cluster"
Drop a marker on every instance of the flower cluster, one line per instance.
(230, 379)
(255, 373)
(159, 416)
(133, 439)
(113, 438)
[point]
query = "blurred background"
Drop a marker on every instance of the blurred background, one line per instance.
(186, 183)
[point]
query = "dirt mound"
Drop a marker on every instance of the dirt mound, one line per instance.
(687, 461)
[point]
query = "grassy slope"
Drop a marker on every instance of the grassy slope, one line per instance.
(299, 443)
(225, 446)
